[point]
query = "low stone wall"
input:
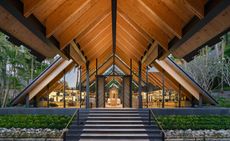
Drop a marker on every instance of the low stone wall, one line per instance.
(30, 139)
(192, 111)
(198, 134)
(37, 111)
(157, 111)
(30, 133)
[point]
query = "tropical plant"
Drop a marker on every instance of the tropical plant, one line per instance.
(18, 67)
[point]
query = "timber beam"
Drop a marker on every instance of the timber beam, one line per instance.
(213, 8)
(15, 8)
(151, 54)
(74, 47)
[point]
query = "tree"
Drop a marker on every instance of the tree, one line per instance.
(204, 71)
(18, 67)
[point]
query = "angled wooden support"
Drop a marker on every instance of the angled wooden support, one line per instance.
(200, 100)
(27, 101)
(151, 54)
(183, 79)
(30, 5)
(196, 6)
(51, 75)
(76, 54)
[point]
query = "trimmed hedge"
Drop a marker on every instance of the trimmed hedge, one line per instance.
(194, 122)
(34, 121)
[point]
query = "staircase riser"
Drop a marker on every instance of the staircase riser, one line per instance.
(114, 132)
(114, 127)
(118, 137)
(113, 118)
(108, 112)
(115, 122)
(113, 115)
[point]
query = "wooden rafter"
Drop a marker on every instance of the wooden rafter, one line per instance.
(143, 21)
(88, 19)
(99, 26)
(160, 11)
(64, 15)
(102, 44)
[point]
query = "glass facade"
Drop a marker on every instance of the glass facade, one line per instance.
(65, 93)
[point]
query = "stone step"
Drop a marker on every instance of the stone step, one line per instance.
(137, 112)
(117, 109)
(113, 126)
(109, 130)
(118, 140)
(116, 122)
(113, 118)
(113, 115)
(114, 136)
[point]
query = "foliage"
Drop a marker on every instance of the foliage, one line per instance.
(224, 102)
(194, 122)
(17, 68)
(34, 121)
(211, 67)
(204, 69)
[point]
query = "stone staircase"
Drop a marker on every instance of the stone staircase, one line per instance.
(113, 124)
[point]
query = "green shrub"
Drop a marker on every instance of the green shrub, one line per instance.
(194, 122)
(224, 102)
(34, 121)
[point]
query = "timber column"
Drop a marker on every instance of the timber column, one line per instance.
(139, 86)
(87, 84)
(163, 89)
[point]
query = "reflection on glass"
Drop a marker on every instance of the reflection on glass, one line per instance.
(171, 99)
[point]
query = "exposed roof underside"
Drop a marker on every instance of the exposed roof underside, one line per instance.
(137, 30)
(143, 27)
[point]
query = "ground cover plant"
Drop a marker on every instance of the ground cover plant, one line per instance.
(34, 121)
(194, 122)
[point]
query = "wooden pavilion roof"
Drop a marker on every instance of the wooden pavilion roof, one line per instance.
(144, 29)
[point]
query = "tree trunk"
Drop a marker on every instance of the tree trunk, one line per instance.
(222, 65)
(6, 95)
(3, 82)
(32, 69)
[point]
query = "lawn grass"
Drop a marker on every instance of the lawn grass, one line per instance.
(34, 121)
(194, 122)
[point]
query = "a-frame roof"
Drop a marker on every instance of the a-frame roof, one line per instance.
(145, 31)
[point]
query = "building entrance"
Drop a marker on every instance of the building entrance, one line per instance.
(114, 91)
